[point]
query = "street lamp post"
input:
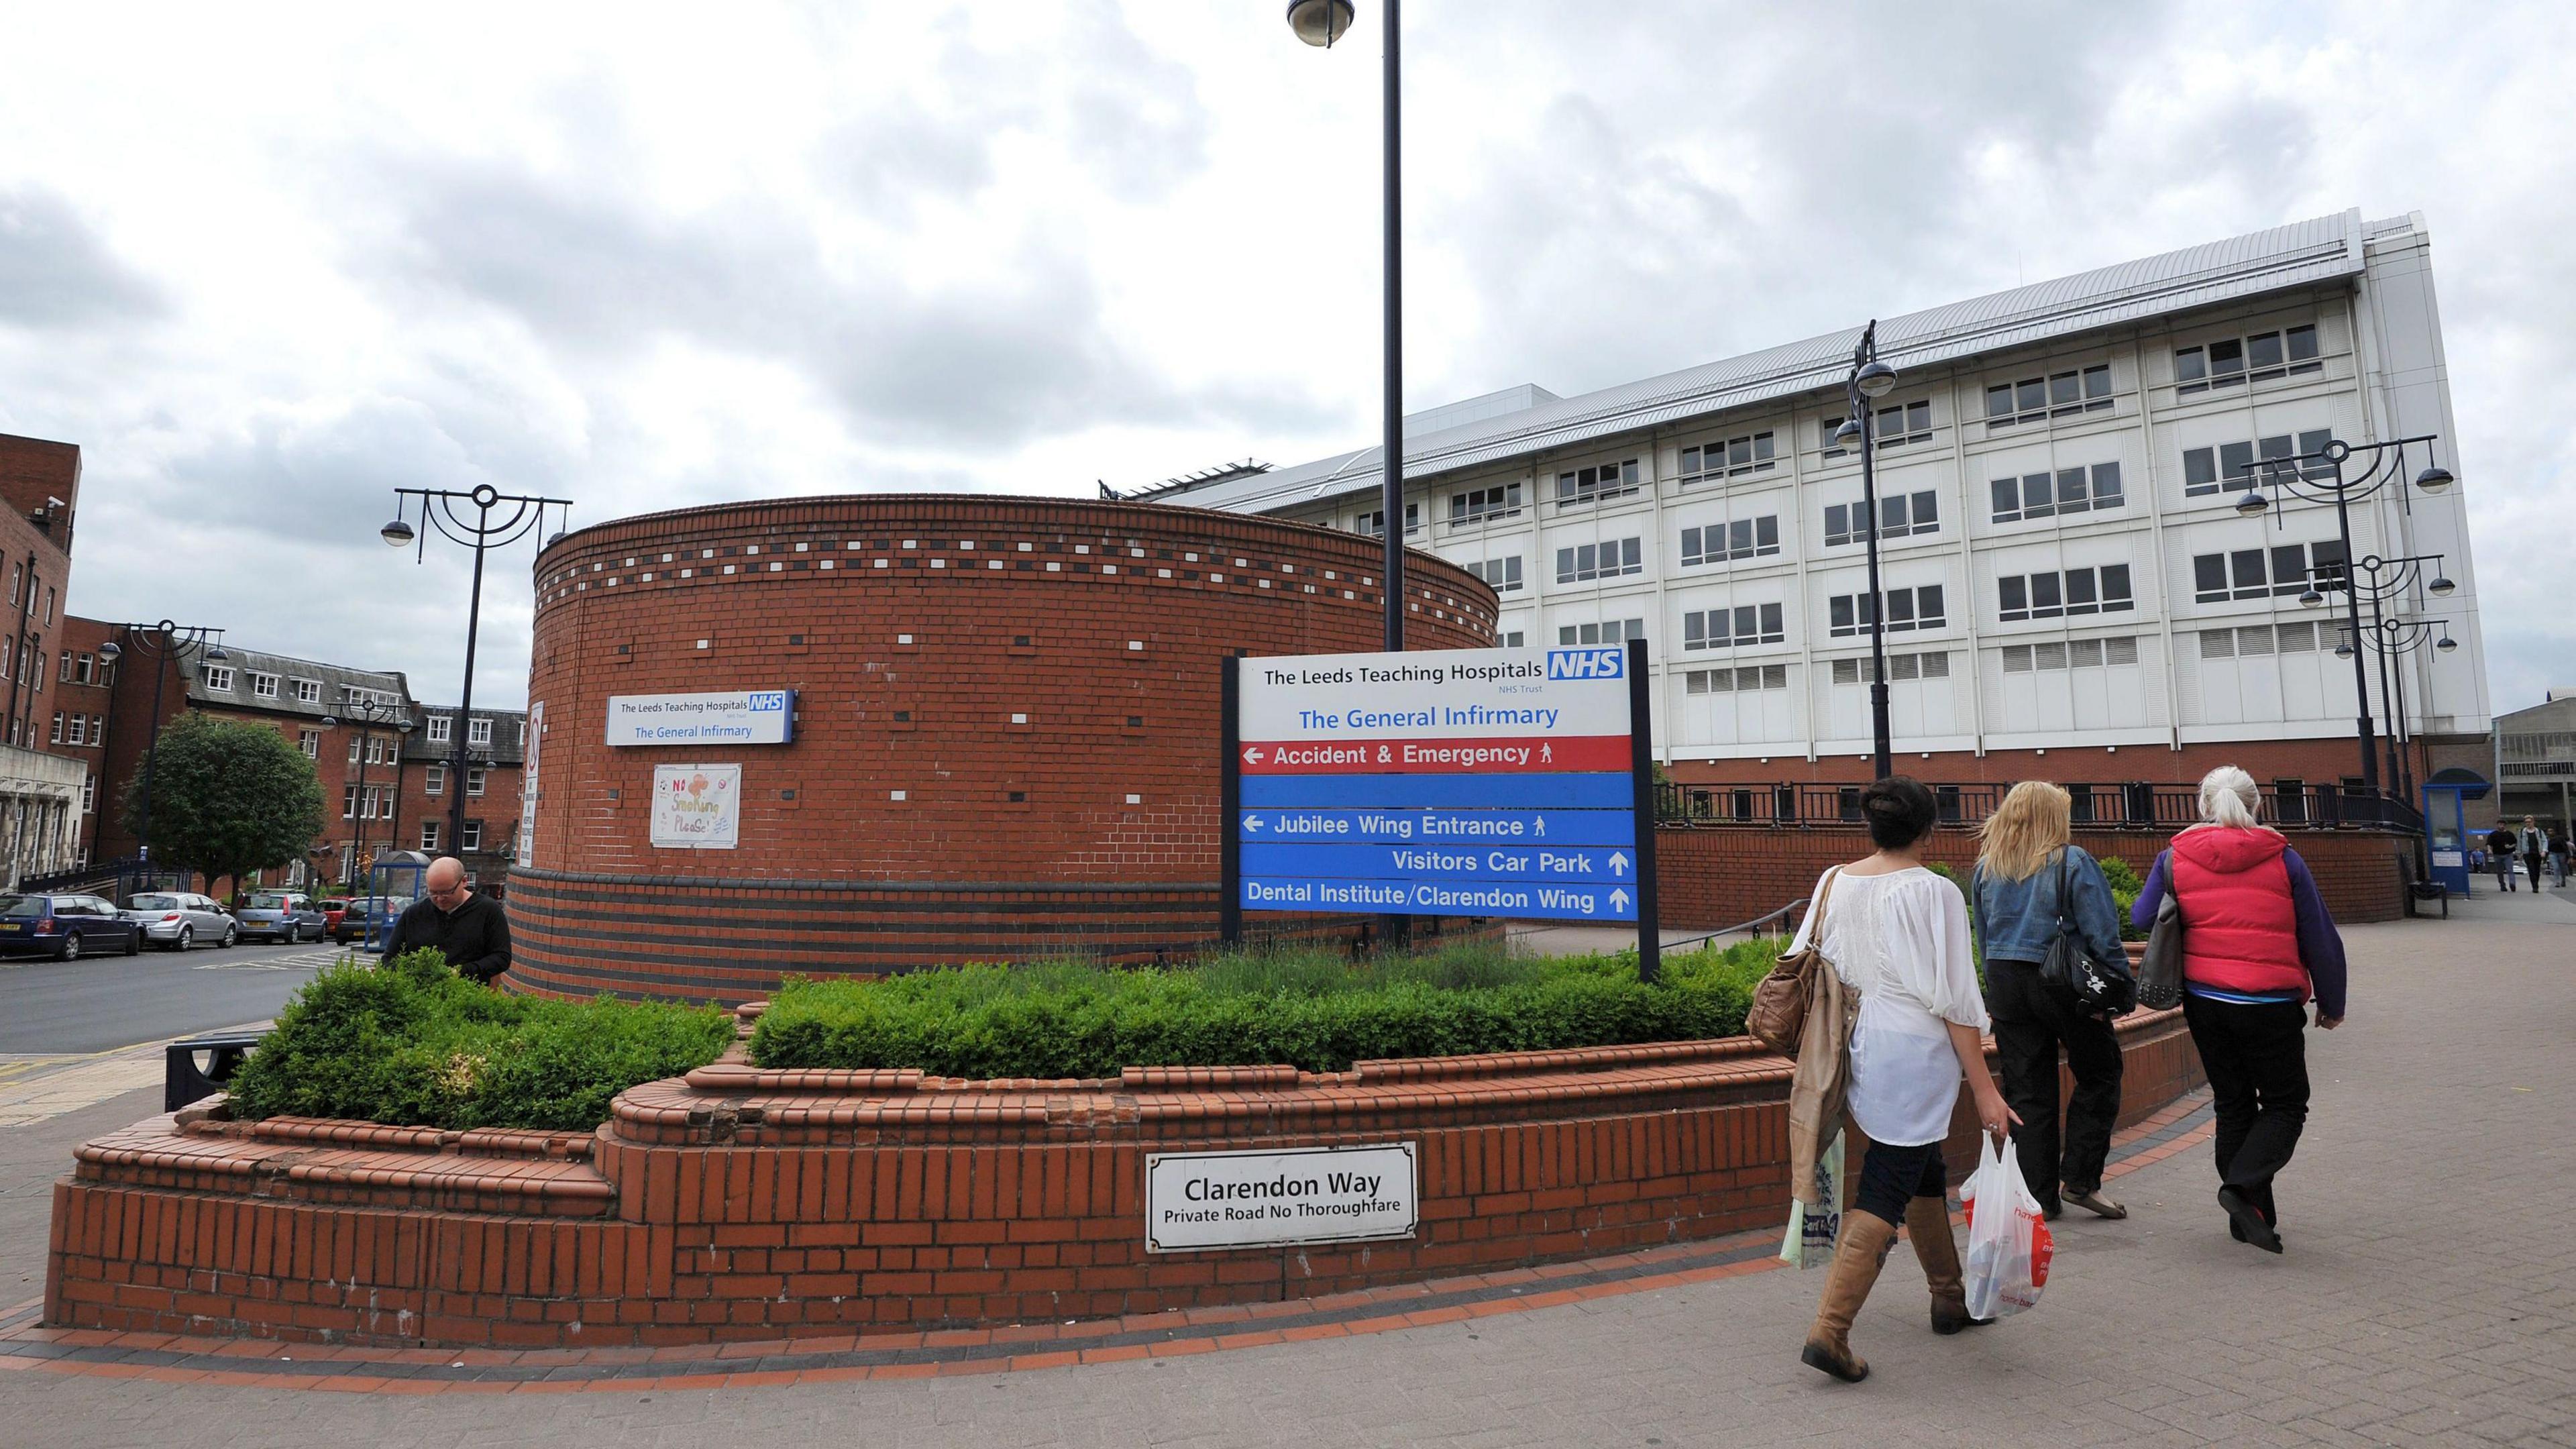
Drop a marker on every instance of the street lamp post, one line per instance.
(2392, 639)
(165, 641)
(370, 715)
(1870, 379)
(444, 510)
(2384, 464)
(2379, 580)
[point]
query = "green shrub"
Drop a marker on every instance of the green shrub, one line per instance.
(2125, 885)
(413, 1043)
(1304, 1009)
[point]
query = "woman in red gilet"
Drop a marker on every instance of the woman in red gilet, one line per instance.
(2257, 944)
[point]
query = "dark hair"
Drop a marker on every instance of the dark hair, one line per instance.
(1900, 810)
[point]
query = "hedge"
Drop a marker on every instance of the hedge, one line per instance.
(412, 1043)
(1305, 1010)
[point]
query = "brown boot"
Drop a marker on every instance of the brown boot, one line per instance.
(1927, 1223)
(1866, 1237)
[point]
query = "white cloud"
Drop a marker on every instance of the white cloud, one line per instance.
(263, 266)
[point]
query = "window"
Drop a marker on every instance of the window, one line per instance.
(474, 780)
(84, 671)
(1614, 632)
(66, 677)
(1504, 574)
(1373, 522)
(310, 741)
(348, 802)
(2254, 573)
(1515, 639)
(2068, 490)
(89, 794)
(380, 751)
(1893, 426)
(353, 749)
(263, 685)
(439, 727)
(2071, 654)
(1739, 539)
(1592, 485)
(2053, 595)
(218, 679)
(1752, 453)
(472, 838)
(1915, 608)
(1900, 667)
(433, 781)
(2262, 357)
(58, 727)
(308, 691)
(2059, 394)
(429, 835)
(1736, 628)
(2207, 471)
(1607, 559)
(1736, 681)
(478, 731)
(1477, 505)
(1899, 514)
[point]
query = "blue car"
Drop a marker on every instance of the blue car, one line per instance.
(65, 927)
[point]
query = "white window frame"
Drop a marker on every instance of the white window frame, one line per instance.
(218, 677)
(263, 686)
(440, 728)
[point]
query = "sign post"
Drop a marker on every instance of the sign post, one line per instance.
(1514, 783)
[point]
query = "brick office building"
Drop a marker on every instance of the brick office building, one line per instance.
(1004, 730)
(45, 786)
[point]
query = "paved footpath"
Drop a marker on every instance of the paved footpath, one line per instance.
(2428, 1297)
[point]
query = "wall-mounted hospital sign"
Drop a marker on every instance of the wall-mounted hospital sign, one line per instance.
(726, 717)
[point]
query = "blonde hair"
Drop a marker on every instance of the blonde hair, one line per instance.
(2229, 800)
(2025, 831)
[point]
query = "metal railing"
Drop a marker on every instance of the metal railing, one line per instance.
(2138, 806)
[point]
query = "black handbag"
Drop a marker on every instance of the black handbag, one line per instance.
(2083, 980)
(2160, 972)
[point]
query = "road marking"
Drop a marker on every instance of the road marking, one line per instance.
(34, 1088)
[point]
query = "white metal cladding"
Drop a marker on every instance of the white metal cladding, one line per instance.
(2319, 249)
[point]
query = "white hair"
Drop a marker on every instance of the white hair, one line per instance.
(2229, 799)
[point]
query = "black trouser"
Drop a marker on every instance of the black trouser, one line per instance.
(2257, 1060)
(2031, 1022)
(2533, 858)
(1891, 1177)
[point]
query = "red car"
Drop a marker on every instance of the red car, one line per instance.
(333, 908)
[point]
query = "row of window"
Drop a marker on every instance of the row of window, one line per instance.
(433, 782)
(1609, 559)
(85, 668)
(1733, 681)
(2054, 595)
(1899, 514)
(2256, 573)
(1501, 574)
(2262, 357)
(1591, 485)
(1734, 458)
(1934, 664)
(1740, 538)
(2203, 469)
(1893, 426)
(1615, 631)
(1915, 608)
(79, 729)
(2256, 640)
(1740, 627)
(2070, 654)
(1483, 505)
(2058, 395)
(2068, 490)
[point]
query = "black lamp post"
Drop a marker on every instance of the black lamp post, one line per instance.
(1321, 23)
(163, 641)
(2382, 465)
(2392, 639)
(369, 715)
(2379, 580)
(1870, 379)
(445, 510)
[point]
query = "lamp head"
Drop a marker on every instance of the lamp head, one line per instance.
(396, 533)
(2251, 504)
(1320, 22)
(2446, 643)
(330, 722)
(216, 655)
(1847, 437)
(2344, 650)
(2434, 479)
(2441, 587)
(111, 650)
(1876, 380)
(2311, 598)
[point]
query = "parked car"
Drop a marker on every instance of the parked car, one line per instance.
(288, 916)
(334, 909)
(180, 919)
(363, 912)
(65, 927)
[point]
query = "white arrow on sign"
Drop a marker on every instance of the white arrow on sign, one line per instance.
(1252, 822)
(1252, 754)
(1618, 900)
(1618, 862)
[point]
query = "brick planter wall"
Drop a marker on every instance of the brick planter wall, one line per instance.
(1712, 876)
(741, 1204)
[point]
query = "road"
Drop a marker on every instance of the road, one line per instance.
(99, 1003)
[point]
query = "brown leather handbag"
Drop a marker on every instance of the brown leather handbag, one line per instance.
(1778, 1016)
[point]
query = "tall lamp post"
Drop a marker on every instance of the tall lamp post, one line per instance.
(163, 643)
(2382, 464)
(370, 715)
(2379, 580)
(2392, 639)
(1870, 379)
(496, 520)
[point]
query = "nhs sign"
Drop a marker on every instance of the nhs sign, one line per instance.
(1608, 662)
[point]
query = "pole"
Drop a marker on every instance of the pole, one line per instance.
(2352, 614)
(1229, 911)
(2379, 637)
(1885, 755)
(1392, 470)
(1641, 761)
(358, 810)
(465, 703)
(161, 657)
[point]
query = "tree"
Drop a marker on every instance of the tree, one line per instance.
(227, 798)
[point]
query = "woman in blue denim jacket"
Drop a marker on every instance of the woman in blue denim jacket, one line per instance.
(2015, 892)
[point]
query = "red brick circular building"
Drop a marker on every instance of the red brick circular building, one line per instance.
(1004, 729)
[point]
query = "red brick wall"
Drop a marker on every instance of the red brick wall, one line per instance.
(1069, 657)
(2315, 761)
(1712, 876)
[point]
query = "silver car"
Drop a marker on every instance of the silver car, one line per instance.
(177, 920)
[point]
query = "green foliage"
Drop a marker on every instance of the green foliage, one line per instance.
(2125, 885)
(413, 1043)
(1301, 1008)
(227, 798)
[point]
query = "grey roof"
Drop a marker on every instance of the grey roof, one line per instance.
(335, 679)
(507, 747)
(2303, 253)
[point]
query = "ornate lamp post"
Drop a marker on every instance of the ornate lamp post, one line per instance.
(1870, 379)
(2382, 464)
(370, 715)
(160, 642)
(497, 520)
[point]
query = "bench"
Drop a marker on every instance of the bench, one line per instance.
(185, 1080)
(2418, 891)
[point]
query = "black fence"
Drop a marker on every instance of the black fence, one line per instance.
(2137, 806)
(114, 879)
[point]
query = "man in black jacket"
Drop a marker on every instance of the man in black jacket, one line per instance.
(469, 930)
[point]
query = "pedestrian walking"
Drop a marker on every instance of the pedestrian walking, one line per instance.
(2500, 856)
(2256, 945)
(1897, 934)
(2559, 852)
(470, 930)
(2532, 844)
(2028, 875)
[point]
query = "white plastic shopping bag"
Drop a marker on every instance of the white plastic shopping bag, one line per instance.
(2008, 1243)
(1809, 1243)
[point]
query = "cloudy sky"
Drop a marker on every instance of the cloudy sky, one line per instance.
(265, 266)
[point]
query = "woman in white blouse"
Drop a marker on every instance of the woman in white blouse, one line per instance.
(1898, 934)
